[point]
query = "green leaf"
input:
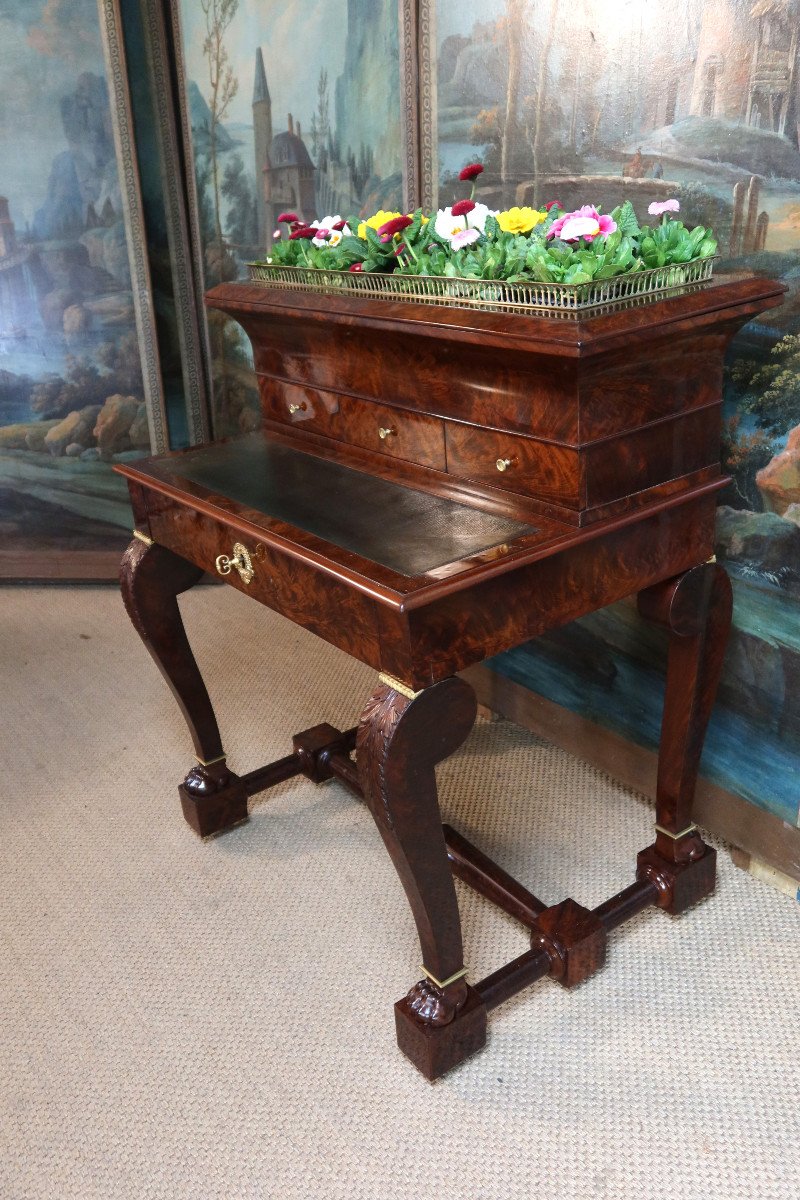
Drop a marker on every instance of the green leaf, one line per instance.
(626, 220)
(375, 243)
(492, 229)
(354, 245)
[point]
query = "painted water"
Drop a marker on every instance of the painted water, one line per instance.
(760, 764)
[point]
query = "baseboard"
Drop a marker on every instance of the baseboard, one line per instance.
(758, 834)
(65, 566)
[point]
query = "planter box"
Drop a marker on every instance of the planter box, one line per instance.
(581, 417)
(494, 294)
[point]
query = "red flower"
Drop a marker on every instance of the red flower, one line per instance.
(322, 234)
(392, 227)
(472, 171)
(357, 267)
(305, 231)
(289, 218)
(552, 204)
(462, 207)
(339, 225)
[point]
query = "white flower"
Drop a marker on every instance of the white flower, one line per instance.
(335, 235)
(448, 226)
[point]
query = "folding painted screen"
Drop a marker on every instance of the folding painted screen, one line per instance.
(305, 115)
(700, 101)
(80, 386)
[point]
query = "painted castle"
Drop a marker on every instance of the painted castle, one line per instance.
(285, 174)
(336, 180)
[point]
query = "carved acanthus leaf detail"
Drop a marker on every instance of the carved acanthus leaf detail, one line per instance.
(378, 723)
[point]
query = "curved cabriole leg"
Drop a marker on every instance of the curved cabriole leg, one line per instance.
(400, 740)
(151, 579)
(696, 608)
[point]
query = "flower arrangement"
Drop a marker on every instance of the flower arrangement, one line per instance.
(470, 241)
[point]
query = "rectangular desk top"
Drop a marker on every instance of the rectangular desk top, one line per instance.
(407, 530)
(401, 544)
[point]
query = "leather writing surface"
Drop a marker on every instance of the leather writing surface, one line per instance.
(408, 531)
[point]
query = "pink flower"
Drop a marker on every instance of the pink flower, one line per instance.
(277, 233)
(656, 208)
(390, 228)
(472, 171)
(356, 267)
(462, 207)
(585, 222)
(465, 238)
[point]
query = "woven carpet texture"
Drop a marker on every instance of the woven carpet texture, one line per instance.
(188, 1020)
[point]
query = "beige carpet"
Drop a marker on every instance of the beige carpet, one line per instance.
(194, 1021)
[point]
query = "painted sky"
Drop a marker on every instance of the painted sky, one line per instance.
(44, 46)
(297, 41)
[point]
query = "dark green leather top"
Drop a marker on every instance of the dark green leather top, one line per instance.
(408, 531)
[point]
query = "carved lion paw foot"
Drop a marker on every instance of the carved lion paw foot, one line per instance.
(434, 1005)
(206, 780)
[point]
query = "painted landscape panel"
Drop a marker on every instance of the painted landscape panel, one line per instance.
(698, 101)
(306, 118)
(71, 392)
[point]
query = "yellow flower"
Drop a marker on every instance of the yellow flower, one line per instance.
(381, 218)
(375, 222)
(519, 220)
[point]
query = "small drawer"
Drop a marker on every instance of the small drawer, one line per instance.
(395, 431)
(303, 407)
(328, 607)
(516, 464)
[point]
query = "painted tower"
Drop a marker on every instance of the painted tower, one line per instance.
(289, 178)
(262, 132)
(8, 239)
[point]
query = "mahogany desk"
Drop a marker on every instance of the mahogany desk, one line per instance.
(432, 486)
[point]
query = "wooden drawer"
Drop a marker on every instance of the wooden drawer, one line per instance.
(516, 464)
(396, 432)
(329, 607)
(303, 407)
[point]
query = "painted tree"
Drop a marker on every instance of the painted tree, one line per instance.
(515, 18)
(223, 86)
(540, 113)
(242, 217)
(320, 122)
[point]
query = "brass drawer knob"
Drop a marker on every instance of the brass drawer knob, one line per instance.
(241, 562)
(386, 432)
(296, 408)
(503, 464)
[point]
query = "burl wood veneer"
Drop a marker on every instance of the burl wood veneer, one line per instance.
(431, 486)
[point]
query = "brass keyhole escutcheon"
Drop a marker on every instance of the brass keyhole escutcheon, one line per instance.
(387, 431)
(503, 464)
(241, 563)
(296, 408)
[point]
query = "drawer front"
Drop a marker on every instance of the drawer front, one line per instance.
(297, 590)
(396, 432)
(515, 464)
(302, 407)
